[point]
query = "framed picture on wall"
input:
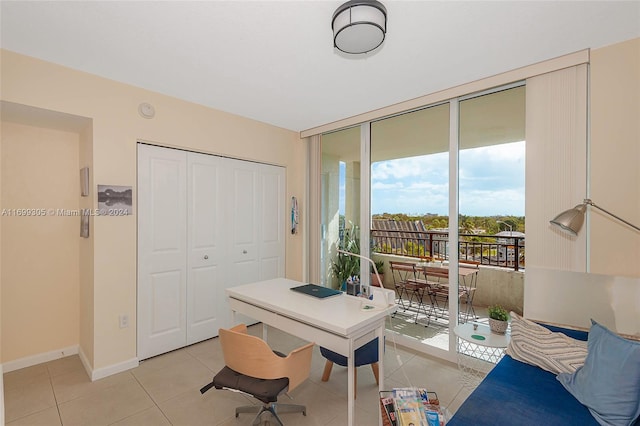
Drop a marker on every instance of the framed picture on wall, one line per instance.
(114, 200)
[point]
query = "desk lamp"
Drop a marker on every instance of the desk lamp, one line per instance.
(348, 253)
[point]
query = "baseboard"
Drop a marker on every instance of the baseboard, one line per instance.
(85, 362)
(39, 358)
(94, 374)
(101, 373)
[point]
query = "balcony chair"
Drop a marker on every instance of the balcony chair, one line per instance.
(254, 369)
(367, 354)
(470, 287)
(410, 286)
(438, 281)
(402, 272)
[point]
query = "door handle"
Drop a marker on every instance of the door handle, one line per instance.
(244, 252)
(206, 256)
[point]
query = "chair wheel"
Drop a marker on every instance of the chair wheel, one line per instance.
(304, 413)
(237, 414)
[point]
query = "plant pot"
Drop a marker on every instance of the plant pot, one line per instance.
(374, 280)
(497, 326)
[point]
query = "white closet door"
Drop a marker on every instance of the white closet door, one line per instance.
(205, 223)
(206, 305)
(272, 222)
(162, 249)
(244, 199)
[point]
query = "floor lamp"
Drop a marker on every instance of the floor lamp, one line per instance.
(571, 220)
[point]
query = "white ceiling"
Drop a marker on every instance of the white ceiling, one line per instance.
(274, 61)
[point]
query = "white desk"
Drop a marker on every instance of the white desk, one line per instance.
(337, 323)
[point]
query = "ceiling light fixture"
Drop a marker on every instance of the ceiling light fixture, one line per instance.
(359, 26)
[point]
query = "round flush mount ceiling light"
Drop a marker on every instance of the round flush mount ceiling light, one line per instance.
(359, 26)
(146, 110)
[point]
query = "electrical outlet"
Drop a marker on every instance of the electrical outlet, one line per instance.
(124, 321)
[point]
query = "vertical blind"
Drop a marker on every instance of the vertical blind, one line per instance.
(556, 166)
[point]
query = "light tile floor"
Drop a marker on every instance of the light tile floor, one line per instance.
(164, 390)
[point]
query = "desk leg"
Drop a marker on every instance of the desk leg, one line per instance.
(351, 371)
(381, 346)
(264, 332)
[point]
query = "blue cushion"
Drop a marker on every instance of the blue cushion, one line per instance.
(574, 334)
(364, 355)
(609, 382)
(515, 393)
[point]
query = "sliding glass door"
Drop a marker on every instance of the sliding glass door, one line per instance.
(340, 214)
(410, 214)
(491, 188)
(434, 190)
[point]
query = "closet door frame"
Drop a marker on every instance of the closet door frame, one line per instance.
(241, 191)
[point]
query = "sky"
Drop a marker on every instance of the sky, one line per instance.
(491, 183)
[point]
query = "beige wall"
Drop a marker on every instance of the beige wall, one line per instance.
(1, 206)
(615, 156)
(116, 128)
(86, 254)
(40, 273)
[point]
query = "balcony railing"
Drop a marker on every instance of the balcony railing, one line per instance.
(494, 250)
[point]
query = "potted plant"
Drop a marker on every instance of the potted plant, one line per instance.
(498, 319)
(344, 266)
(380, 267)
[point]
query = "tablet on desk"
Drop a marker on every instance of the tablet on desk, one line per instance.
(316, 291)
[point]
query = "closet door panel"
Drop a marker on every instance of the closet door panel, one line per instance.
(272, 222)
(206, 242)
(166, 311)
(245, 209)
(161, 250)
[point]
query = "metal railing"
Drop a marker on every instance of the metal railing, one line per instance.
(494, 250)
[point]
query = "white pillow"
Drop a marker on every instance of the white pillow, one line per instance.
(534, 344)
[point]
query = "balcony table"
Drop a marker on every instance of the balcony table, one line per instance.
(479, 349)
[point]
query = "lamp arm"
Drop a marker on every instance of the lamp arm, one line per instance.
(592, 204)
(375, 269)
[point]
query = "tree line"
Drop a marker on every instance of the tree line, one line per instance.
(468, 224)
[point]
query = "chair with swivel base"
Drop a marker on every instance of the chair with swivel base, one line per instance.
(251, 367)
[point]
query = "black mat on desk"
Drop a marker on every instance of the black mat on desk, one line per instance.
(316, 291)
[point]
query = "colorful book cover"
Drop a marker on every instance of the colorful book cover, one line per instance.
(409, 407)
(390, 409)
(410, 416)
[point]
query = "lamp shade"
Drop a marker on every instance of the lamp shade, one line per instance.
(571, 220)
(359, 26)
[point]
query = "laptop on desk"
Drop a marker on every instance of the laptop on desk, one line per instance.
(316, 291)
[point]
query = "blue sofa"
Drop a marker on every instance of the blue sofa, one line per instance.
(515, 393)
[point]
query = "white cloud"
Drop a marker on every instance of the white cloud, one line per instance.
(491, 182)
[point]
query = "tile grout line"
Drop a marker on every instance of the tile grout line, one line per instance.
(53, 391)
(151, 398)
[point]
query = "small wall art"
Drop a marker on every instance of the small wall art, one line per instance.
(84, 224)
(84, 181)
(114, 200)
